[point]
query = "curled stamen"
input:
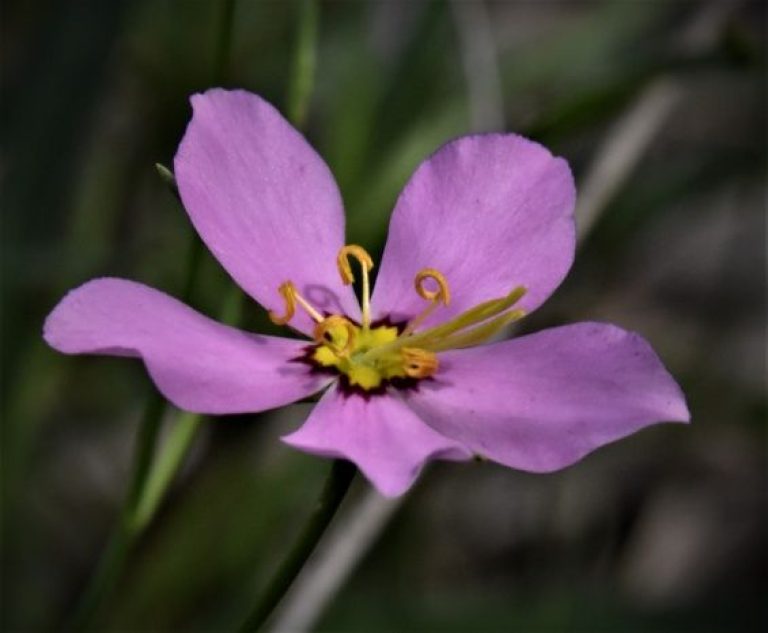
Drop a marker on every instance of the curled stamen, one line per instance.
(436, 297)
(441, 295)
(345, 270)
(342, 261)
(324, 333)
(291, 296)
(288, 291)
(418, 363)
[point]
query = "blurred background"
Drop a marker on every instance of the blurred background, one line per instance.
(660, 108)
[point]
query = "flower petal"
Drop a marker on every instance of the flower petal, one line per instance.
(386, 440)
(541, 402)
(263, 201)
(490, 212)
(198, 364)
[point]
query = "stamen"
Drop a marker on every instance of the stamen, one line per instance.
(291, 296)
(442, 294)
(327, 326)
(436, 297)
(286, 289)
(418, 363)
(345, 270)
(432, 336)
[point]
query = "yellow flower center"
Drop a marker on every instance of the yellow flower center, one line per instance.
(370, 356)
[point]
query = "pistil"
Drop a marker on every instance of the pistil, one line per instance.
(437, 337)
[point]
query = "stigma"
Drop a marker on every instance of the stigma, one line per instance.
(370, 357)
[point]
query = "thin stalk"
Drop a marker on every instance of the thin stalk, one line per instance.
(336, 486)
(146, 441)
(112, 562)
(170, 459)
(342, 472)
(180, 440)
(304, 61)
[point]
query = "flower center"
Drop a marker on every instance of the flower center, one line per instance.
(371, 356)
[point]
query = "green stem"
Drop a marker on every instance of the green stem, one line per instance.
(169, 461)
(336, 486)
(342, 472)
(146, 441)
(179, 441)
(137, 502)
(303, 75)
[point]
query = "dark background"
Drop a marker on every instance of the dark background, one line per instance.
(664, 531)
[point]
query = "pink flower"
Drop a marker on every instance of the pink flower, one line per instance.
(482, 234)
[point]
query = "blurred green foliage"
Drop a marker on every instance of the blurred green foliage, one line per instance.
(95, 93)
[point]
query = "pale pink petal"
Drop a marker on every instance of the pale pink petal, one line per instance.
(543, 401)
(490, 212)
(386, 440)
(198, 364)
(263, 201)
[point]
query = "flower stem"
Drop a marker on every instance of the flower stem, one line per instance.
(165, 468)
(342, 472)
(303, 75)
(334, 490)
(137, 504)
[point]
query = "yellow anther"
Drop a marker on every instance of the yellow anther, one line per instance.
(291, 296)
(442, 294)
(288, 290)
(345, 269)
(337, 332)
(418, 363)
